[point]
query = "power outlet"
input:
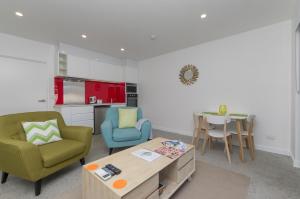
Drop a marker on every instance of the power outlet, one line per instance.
(270, 137)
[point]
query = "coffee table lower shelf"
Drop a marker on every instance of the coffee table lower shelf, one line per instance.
(172, 187)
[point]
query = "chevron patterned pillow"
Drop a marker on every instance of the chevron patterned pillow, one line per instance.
(40, 133)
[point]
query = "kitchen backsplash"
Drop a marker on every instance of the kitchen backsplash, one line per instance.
(106, 92)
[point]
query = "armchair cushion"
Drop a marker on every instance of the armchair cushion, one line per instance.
(57, 152)
(126, 134)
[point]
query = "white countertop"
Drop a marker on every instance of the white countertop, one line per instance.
(103, 104)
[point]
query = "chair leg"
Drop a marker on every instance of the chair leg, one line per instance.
(227, 150)
(247, 142)
(37, 187)
(110, 151)
(230, 143)
(82, 161)
(204, 144)
(4, 177)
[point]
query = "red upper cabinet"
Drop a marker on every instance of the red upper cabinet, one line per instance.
(59, 90)
(116, 92)
(120, 93)
(105, 91)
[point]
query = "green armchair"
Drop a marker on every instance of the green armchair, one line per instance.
(31, 162)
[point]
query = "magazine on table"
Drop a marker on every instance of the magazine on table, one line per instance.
(172, 148)
(146, 154)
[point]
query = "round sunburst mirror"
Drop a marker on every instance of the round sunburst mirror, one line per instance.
(188, 74)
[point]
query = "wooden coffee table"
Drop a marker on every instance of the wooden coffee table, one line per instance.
(142, 177)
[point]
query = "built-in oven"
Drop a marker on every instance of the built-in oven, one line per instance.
(131, 88)
(132, 99)
(131, 95)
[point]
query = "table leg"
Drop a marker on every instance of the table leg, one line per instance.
(194, 136)
(238, 129)
(196, 126)
(204, 143)
(253, 146)
(199, 132)
(251, 150)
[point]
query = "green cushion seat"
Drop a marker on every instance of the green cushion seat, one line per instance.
(57, 152)
(126, 134)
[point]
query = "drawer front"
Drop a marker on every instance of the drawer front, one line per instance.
(82, 117)
(82, 109)
(154, 195)
(145, 189)
(185, 158)
(185, 170)
(87, 123)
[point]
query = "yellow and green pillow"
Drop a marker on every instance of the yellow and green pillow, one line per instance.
(127, 117)
(40, 133)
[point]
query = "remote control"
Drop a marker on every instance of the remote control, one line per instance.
(114, 169)
(102, 174)
(108, 171)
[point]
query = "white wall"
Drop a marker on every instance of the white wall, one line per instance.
(295, 103)
(131, 71)
(16, 49)
(129, 66)
(88, 54)
(250, 72)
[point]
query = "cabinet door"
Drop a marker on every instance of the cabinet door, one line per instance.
(116, 92)
(107, 72)
(66, 113)
(78, 67)
(120, 93)
(131, 74)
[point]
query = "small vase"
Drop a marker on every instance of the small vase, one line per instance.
(222, 109)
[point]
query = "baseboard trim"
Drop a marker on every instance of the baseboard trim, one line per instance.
(180, 132)
(273, 150)
(296, 163)
(258, 147)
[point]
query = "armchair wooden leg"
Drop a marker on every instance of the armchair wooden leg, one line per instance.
(37, 187)
(4, 177)
(110, 151)
(82, 161)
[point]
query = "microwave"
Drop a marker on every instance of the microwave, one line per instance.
(131, 88)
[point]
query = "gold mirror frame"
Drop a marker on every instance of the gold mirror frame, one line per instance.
(184, 70)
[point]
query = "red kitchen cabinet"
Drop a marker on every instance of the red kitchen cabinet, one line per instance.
(107, 92)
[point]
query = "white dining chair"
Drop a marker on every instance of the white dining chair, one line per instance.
(248, 135)
(219, 132)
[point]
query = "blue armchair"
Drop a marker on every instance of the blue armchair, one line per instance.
(115, 137)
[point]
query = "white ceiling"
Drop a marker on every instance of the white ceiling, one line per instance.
(112, 24)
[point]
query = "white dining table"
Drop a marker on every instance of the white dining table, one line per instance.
(239, 120)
